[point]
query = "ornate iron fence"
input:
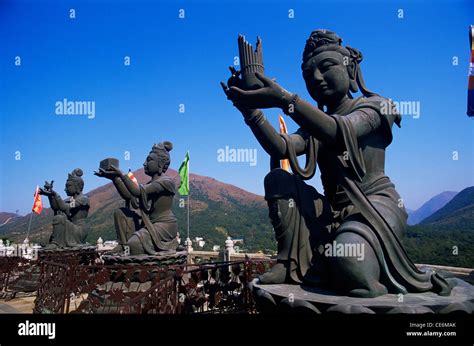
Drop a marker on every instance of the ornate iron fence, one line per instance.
(21, 275)
(148, 289)
(96, 288)
(11, 269)
(161, 298)
(219, 287)
(52, 292)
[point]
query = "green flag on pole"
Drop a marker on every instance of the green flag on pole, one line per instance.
(184, 175)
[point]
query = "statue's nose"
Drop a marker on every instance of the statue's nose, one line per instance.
(318, 77)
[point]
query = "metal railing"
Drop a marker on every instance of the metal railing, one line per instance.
(219, 287)
(18, 274)
(147, 289)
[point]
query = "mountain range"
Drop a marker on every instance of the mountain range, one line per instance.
(217, 210)
(447, 236)
(458, 212)
(6, 218)
(434, 204)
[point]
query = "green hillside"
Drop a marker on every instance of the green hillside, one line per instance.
(218, 210)
(431, 244)
(447, 236)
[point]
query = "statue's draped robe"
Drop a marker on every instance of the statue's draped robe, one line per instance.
(160, 228)
(362, 200)
(72, 231)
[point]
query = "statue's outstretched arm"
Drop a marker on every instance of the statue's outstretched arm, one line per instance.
(130, 186)
(52, 202)
(266, 135)
(59, 204)
(122, 189)
(134, 190)
(269, 139)
(313, 120)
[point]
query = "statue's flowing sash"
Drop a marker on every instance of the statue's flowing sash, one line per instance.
(400, 270)
(397, 267)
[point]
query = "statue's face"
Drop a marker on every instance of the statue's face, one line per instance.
(71, 188)
(151, 165)
(327, 78)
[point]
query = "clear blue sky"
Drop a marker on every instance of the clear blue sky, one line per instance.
(176, 61)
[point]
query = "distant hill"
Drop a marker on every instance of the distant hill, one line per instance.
(218, 210)
(428, 208)
(6, 218)
(447, 236)
(459, 212)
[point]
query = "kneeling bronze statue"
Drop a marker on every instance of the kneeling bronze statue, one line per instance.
(154, 229)
(69, 228)
(346, 137)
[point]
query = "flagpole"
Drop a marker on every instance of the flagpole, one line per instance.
(189, 191)
(29, 226)
(188, 215)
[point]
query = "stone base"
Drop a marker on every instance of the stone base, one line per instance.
(287, 298)
(85, 254)
(165, 259)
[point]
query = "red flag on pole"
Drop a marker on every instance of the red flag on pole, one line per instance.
(285, 164)
(37, 203)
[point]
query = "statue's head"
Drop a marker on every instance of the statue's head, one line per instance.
(158, 160)
(74, 183)
(330, 70)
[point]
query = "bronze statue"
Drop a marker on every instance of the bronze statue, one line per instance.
(69, 215)
(155, 229)
(346, 137)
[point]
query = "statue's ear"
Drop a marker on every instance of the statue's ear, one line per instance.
(160, 168)
(352, 68)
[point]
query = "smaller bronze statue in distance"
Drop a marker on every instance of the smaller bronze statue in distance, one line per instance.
(154, 229)
(69, 214)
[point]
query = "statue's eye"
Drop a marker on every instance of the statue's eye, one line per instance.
(326, 65)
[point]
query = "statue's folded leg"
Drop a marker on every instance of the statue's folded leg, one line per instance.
(355, 269)
(59, 228)
(137, 242)
(161, 239)
(298, 214)
(284, 236)
(126, 223)
(66, 233)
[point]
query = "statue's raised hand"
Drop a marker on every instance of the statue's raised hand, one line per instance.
(235, 81)
(271, 95)
(46, 191)
(109, 174)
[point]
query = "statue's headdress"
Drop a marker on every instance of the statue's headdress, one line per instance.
(162, 152)
(75, 176)
(325, 40)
